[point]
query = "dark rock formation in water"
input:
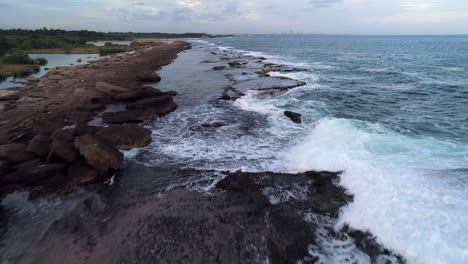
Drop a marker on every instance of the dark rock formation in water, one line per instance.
(126, 137)
(295, 117)
(99, 153)
(248, 218)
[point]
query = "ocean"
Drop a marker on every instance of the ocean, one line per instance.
(390, 112)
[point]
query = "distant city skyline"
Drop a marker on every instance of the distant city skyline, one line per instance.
(364, 17)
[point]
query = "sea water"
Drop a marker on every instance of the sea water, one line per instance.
(391, 112)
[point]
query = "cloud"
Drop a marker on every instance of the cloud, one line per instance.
(324, 3)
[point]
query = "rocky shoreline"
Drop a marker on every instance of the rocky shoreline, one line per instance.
(45, 141)
(165, 213)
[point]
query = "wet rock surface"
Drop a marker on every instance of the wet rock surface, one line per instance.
(246, 218)
(295, 117)
(126, 136)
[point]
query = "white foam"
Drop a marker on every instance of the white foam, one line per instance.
(417, 212)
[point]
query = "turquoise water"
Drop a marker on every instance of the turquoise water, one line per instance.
(389, 111)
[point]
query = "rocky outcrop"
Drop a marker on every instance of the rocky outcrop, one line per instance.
(295, 117)
(109, 89)
(39, 145)
(99, 153)
(35, 173)
(126, 136)
(15, 153)
(6, 94)
(128, 116)
(64, 150)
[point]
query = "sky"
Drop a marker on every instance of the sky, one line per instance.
(241, 16)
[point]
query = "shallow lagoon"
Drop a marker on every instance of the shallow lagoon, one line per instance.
(53, 60)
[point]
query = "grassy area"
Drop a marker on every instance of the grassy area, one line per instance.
(17, 70)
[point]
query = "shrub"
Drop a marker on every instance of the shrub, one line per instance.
(18, 57)
(111, 49)
(40, 61)
(26, 72)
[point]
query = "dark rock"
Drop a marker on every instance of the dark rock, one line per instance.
(3, 167)
(219, 68)
(150, 102)
(244, 182)
(153, 78)
(65, 150)
(15, 153)
(39, 145)
(290, 236)
(99, 153)
(128, 116)
(82, 173)
(64, 135)
(35, 173)
(82, 129)
(214, 125)
(126, 136)
(295, 117)
(138, 94)
(109, 89)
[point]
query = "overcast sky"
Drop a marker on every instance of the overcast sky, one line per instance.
(242, 16)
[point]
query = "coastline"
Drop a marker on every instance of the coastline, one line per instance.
(153, 212)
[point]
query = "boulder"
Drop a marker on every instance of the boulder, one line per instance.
(39, 145)
(245, 183)
(15, 153)
(126, 136)
(6, 95)
(295, 117)
(219, 68)
(109, 89)
(152, 102)
(35, 173)
(128, 116)
(99, 153)
(82, 173)
(160, 106)
(151, 78)
(64, 135)
(3, 167)
(138, 94)
(88, 94)
(64, 150)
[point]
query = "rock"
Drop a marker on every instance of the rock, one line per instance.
(3, 167)
(15, 153)
(109, 89)
(65, 150)
(219, 68)
(214, 125)
(244, 182)
(35, 173)
(159, 106)
(153, 78)
(82, 173)
(88, 94)
(6, 95)
(32, 79)
(126, 136)
(295, 117)
(128, 116)
(64, 135)
(135, 95)
(39, 145)
(99, 153)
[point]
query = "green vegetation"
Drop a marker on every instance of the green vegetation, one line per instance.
(17, 63)
(110, 48)
(17, 56)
